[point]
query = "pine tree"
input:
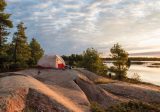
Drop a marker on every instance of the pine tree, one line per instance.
(22, 50)
(5, 24)
(36, 51)
(120, 57)
(2, 5)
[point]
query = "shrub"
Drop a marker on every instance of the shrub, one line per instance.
(95, 107)
(136, 77)
(133, 106)
(29, 110)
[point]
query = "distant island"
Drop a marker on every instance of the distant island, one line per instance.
(137, 59)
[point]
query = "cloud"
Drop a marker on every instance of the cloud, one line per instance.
(69, 26)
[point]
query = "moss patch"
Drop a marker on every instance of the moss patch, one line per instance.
(133, 107)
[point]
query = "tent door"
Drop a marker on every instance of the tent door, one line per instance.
(61, 65)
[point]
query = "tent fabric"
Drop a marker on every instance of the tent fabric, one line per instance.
(51, 62)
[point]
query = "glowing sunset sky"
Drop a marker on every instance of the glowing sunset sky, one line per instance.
(71, 26)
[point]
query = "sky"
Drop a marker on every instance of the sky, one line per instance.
(72, 26)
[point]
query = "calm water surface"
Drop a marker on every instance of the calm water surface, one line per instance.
(147, 74)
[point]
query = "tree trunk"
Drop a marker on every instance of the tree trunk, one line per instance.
(0, 36)
(15, 52)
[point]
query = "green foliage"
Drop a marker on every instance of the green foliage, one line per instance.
(133, 107)
(28, 109)
(120, 57)
(5, 60)
(2, 5)
(19, 53)
(95, 107)
(73, 60)
(93, 62)
(90, 60)
(22, 51)
(36, 52)
(5, 23)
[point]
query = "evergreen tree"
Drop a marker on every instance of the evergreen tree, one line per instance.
(36, 51)
(2, 5)
(93, 62)
(22, 52)
(120, 61)
(5, 24)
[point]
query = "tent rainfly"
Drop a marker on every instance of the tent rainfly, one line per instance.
(51, 62)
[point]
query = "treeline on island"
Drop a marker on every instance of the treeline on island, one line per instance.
(19, 53)
(136, 59)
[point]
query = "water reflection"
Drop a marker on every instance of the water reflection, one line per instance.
(147, 74)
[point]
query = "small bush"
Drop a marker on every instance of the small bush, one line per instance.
(136, 77)
(133, 106)
(27, 109)
(95, 107)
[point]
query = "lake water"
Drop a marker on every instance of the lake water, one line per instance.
(147, 74)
